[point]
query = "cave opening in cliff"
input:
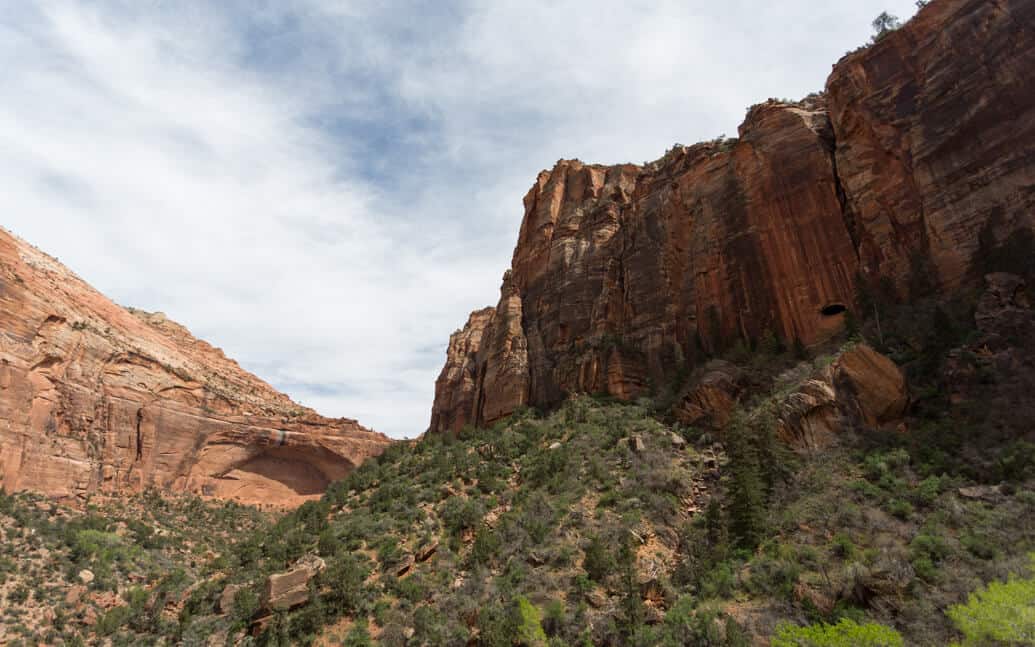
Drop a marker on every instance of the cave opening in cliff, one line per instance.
(833, 310)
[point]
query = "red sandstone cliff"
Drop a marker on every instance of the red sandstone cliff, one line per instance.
(98, 398)
(622, 275)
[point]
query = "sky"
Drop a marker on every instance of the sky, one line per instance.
(326, 188)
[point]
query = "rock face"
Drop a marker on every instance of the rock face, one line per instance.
(98, 398)
(860, 387)
(712, 397)
(624, 276)
(935, 131)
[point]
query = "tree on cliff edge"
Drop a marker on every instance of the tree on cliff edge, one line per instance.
(884, 24)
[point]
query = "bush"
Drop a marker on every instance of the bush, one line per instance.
(486, 545)
(928, 490)
(246, 603)
(460, 515)
(845, 633)
(718, 582)
(112, 621)
(926, 552)
(344, 577)
(687, 624)
(528, 626)
(842, 546)
(358, 637)
(1003, 613)
(900, 508)
(598, 562)
(518, 624)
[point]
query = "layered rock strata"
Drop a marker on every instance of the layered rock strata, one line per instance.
(98, 398)
(921, 147)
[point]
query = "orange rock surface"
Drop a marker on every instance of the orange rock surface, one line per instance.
(625, 276)
(99, 398)
(935, 131)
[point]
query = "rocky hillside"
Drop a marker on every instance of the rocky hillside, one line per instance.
(98, 398)
(916, 161)
(859, 492)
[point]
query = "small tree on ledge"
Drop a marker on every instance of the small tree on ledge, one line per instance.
(884, 24)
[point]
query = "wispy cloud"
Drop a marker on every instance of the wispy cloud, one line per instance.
(325, 189)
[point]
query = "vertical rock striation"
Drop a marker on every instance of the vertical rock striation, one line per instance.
(624, 276)
(935, 130)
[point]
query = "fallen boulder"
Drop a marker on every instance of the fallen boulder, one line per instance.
(291, 589)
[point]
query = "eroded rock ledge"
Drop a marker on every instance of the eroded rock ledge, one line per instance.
(98, 398)
(622, 276)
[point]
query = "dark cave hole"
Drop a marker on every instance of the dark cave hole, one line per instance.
(833, 309)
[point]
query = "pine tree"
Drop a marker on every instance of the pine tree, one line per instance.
(747, 489)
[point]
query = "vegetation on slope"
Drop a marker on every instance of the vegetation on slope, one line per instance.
(605, 523)
(115, 568)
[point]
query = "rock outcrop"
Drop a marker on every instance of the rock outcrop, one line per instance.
(98, 398)
(922, 146)
(712, 397)
(290, 589)
(860, 387)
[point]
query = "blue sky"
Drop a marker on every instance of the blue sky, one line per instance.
(324, 188)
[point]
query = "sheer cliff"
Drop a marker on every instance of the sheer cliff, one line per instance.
(920, 151)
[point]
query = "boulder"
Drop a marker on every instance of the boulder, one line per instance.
(625, 275)
(987, 493)
(403, 566)
(226, 598)
(74, 594)
(862, 388)
(291, 588)
(875, 384)
(710, 400)
(425, 552)
(810, 416)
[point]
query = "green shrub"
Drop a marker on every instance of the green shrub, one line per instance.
(900, 508)
(719, 582)
(344, 579)
(486, 545)
(926, 551)
(528, 627)
(113, 620)
(928, 490)
(978, 545)
(687, 624)
(246, 603)
(1002, 613)
(358, 636)
(553, 620)
(845, 633)
(842, 546)
(598, 562)
(773, 576)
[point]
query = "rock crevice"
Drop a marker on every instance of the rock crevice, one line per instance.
(625, 276)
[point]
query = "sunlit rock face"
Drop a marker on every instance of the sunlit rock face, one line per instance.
(98, 398)
(625, 276)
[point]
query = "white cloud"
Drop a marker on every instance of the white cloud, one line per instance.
(326, 189)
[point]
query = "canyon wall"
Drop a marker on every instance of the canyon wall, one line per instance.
(624, 276)
(96, 398)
